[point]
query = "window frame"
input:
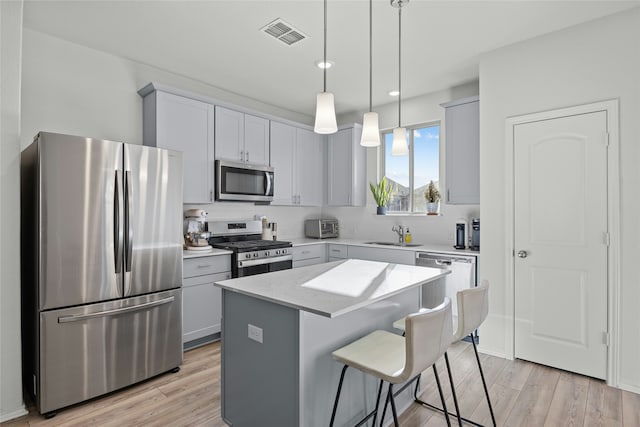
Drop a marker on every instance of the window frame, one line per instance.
(383, 159)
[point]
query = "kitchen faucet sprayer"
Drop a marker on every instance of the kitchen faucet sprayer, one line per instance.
(400, 230)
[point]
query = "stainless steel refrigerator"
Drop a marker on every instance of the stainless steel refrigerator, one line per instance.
(101, 255)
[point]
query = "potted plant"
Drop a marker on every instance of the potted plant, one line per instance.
(382, 194)
(432, 195)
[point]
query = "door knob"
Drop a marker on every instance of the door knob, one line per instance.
(522, 254)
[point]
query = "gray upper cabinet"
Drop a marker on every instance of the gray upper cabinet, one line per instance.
(462, 151)
(347, 164)
(241, 137)
(187, 125)
(297, 157)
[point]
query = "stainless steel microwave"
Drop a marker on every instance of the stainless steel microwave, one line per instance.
(244, 182)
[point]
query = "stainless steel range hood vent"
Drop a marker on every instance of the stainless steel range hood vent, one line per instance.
(284, 32)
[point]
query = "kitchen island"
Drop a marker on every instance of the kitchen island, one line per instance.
(279, 330)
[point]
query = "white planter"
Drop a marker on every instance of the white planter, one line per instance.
(432, 208)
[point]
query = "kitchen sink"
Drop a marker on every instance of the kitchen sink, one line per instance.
(408, 245)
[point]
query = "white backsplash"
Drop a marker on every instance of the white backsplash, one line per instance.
(363, 224)
(355, 223)
(290, 219)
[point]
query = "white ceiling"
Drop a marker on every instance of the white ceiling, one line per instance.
(220, 42)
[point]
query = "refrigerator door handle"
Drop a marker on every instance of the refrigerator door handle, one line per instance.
(118, 239)
(146, 305)
(129, 230)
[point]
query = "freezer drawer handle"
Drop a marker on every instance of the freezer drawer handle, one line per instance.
(79, 317)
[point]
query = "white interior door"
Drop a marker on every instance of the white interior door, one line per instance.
(561, 242)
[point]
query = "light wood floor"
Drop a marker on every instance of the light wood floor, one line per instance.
(522, 393)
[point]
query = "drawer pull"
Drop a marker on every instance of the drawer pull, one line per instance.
(336, 250)
(306, 252)
(204, 266)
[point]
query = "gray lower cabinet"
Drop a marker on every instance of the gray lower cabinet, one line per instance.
(309, 255)
(397, 256)
(202, 301)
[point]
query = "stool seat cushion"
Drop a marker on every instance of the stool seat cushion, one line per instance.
(381, 354)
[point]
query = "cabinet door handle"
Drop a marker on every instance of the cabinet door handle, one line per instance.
(241, 155)
(246, 155)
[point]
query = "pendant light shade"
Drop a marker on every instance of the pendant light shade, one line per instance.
(325, 114)
(370, 127)
(325, 110)
(370, 130)
(399, 147)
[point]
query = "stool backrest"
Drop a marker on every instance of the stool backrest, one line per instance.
(473, 307)
(427, 336)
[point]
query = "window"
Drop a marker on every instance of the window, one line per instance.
(411, 174)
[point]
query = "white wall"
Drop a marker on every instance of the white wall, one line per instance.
(69, 88)
(591, 62)
(363, 223)
(11, 405)
(72, 89)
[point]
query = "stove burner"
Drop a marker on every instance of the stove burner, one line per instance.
(251, 245)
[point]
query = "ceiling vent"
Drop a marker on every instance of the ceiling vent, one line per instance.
(283, 32)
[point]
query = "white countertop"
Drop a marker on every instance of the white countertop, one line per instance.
(334, 288)
(198, 254)
(422, 248)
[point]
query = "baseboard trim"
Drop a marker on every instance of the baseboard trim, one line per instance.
(632, 388)
(14, 414)
(490, 352)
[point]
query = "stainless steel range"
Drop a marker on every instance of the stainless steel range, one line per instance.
(251, 255)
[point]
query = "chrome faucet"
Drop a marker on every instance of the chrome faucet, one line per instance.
(400, 230)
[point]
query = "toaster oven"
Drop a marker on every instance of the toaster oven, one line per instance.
(321, 228)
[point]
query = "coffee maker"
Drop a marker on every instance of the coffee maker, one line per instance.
(475, 234)
(461, 234)
(196, 237)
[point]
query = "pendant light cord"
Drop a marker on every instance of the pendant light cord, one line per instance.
(325, 47)
(399, 65)
(370, 55)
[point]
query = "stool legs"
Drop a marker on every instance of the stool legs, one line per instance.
(484, 383)
(364, 420)
(444, 405)
(335, 404)
(375, 414)
(453, 388)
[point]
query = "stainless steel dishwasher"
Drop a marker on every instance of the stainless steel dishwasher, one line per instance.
(463, 276)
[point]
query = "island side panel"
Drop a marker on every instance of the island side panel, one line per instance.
(259, 380)
(319, 373)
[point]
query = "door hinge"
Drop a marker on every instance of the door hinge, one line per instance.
(606, 239)
(605, 338)
(606, 139)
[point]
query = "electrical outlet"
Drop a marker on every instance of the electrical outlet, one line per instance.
(255, 333)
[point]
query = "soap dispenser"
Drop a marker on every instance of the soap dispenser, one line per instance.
(407, 236)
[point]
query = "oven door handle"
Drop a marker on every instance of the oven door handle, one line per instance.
(254, 262)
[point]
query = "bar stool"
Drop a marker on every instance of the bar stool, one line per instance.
(473, 308)
(396, 359)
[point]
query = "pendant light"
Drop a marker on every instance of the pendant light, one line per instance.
(399, 147)
(325, 110)
(370, 129)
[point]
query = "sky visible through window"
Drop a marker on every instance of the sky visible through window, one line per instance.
(426, 146)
